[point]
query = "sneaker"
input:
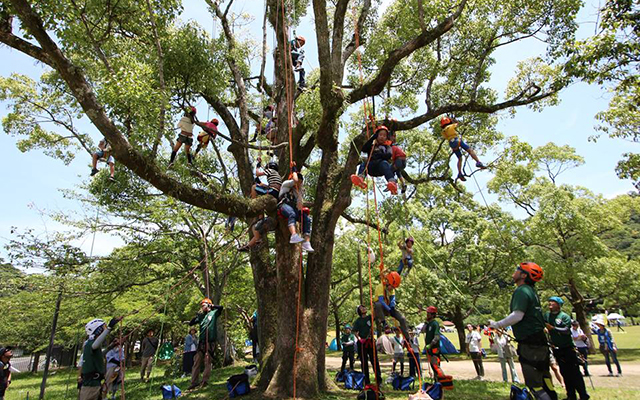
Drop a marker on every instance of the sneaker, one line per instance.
(393, 187)
(94, 171)
(170, 165)
(112, 179)
(403, 188)
(610, 374)
(461, 177)
(295, 238)
(481, 165)
(358, 181)
(306, 246)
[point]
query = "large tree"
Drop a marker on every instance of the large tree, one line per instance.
(128, 65)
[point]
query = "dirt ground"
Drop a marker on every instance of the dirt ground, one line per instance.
(463, 369)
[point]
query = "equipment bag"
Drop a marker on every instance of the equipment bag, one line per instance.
(403, 382)
(238, 385)
(170, 392)
(369, 393)
(354, 381)
(446, 347)
(341, 375)
(520, 393)
(434, 391)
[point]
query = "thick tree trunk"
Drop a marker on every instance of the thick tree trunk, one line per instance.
(458, 321)
(577, 301)
(36, 361)
(336, 320)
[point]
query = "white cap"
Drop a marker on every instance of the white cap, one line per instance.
(92, 325)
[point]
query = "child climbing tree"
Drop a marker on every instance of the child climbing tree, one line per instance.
(455, 39)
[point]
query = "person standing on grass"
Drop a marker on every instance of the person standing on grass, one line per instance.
(366, 347)
(5, 369)
(207, 320)
(113, 378)
(558, 325)
(505, 355)
(415, 368)
(474, 349)
(528, 330)
(190, 347)
(608, 347)
(580, 340)
(398, 351)
(93, 364)
(148, 349)
(348, 343)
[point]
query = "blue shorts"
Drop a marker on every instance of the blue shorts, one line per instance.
(100, 154)
(456, 144)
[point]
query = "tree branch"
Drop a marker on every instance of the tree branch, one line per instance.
(355, 220)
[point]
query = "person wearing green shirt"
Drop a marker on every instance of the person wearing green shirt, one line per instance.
(207, 319)
(93, 363)
(348, 343)
(559, 327)
(366, 346)
(528, 329)
(431, 331)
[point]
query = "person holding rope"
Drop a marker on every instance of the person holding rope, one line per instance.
(398, 159)
(185, 137)
(208, 134)
(366, 346)
(559, 327)
(207, 319)
(292, 208)
(93, 361)
(104, 154)
(528, 329)
(406, 261)
(297, 57)
(379, 155)
(274, 181)
(385, 303)
(456, 143)
(431, 331)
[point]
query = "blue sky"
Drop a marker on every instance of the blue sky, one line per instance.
(33, 181)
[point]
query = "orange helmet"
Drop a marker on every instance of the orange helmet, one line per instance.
(301, 39)
(215, 121)
(533, 270)
(393, 279)
(382, 128)
(432, 310)
(206, 301)
(444, 121)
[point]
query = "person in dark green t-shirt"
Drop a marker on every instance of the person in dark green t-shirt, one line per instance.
(348, 343)
(207, 319)
(431, 331)
(559, 326)
(528, 329)
(93, 363)
(366, 345)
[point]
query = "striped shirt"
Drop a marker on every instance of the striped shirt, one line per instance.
(273, 178)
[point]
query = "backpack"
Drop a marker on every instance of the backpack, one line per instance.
(520, 394)
(341, 375)
(170, 392)
(369, 393)
(354, 381)
(434, 391)
(446, 347)
(403, 382)
(238, 385)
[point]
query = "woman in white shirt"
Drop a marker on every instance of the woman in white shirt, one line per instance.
(474, 349)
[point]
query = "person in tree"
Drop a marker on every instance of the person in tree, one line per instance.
(456, 143)
(406, 261)
(148, 350)
(291, 207)
(608, 347)
(366, 345)
(93, 360)
(385, 303)
(114, 375)
(398, 351)
(274, 181)
(297, 58)
(398, 159)
(431, 331)
(185, 136)
(415, 368)
(528, 329)
(348, 343)
(207, 319)
(379, 156)
(581, 342)
(5, 369)
(259, 230)
(266, 124)
(208, 134)
(558, 325)
(104, 154)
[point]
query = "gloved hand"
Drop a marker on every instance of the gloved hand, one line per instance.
(392, 302)
(493, 324)
(114, 321)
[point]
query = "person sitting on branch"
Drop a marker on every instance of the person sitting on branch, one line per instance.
(209, 133)
(185, 136)
(449, 126)
(292, 208)
(407, 256)
(379, 153)
(297, 57)
(385, 304)
(103, 154)
(274, 181)
(259, 230)
(398, 159)
(266, 125)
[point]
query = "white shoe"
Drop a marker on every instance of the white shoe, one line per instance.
(295, 238)
(306, 246)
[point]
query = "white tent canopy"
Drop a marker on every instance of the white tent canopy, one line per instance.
(615, 316)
